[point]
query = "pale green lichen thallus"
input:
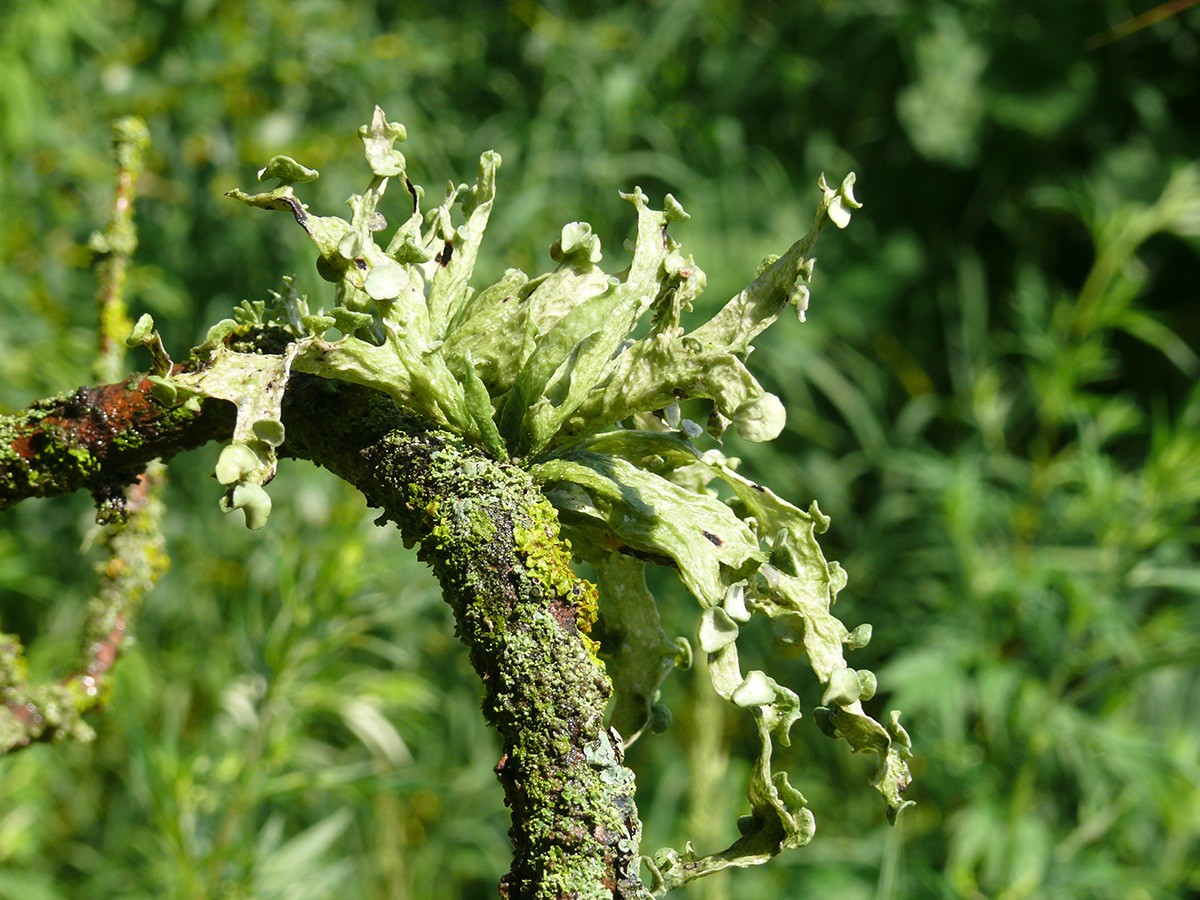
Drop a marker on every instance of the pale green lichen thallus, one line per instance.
(542, 371)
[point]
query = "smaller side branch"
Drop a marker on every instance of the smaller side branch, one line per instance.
(46, 713)
(115, 246)
(51, 712)
(99, 439)
(132, 537)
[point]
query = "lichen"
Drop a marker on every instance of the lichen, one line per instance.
(547, 558)
(544, 371)
(45, 712)
(550, 430)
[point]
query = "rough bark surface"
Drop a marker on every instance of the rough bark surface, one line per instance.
(492, 540)
(99, 439)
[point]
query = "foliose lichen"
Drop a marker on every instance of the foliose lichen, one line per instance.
(543, 371)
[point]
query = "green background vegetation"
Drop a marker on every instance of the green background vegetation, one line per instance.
(994, 398)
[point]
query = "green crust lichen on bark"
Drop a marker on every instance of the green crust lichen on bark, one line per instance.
(516, 605)
(547, 558)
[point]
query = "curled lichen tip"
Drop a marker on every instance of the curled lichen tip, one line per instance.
(674, 210)
(717, 630)
(287, 171)
(859, 637)
(142, 330)
(755, 690)
(235, 463)
(378, 138)
(577, 240)
(252, 500)
(269, 431)
(760, 418)
(843, 688)
(386, 282)
(162, 390)
(838, 203)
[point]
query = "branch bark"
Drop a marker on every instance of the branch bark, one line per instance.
(491, 539)
(99, 439)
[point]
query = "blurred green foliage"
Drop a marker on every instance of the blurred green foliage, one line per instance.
(994, 397)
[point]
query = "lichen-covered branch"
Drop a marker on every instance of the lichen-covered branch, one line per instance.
(115, 246)
(130, 532)
(44, 713)
(478, 421)
(99, 439)
(492, 539)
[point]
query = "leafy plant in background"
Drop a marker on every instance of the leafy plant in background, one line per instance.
(1064, 556)
(530, 382)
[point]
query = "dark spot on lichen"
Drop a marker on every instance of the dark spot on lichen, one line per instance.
(412, 190)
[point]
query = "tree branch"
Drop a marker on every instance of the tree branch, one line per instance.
(99, 439)
(491, 539)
